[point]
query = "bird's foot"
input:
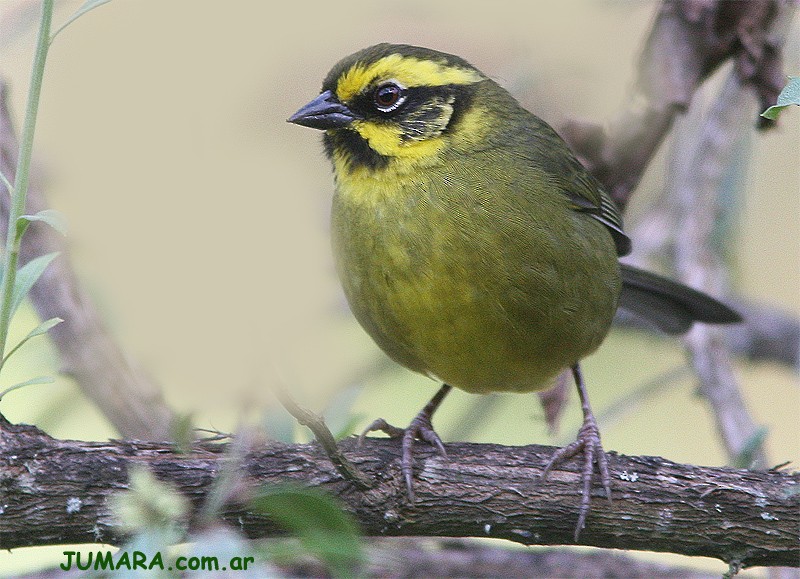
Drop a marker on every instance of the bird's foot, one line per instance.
(588, 444)
(420, 428)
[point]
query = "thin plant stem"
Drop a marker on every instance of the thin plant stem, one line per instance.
(19, 193)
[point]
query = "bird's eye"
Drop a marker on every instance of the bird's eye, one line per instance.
(388, 97)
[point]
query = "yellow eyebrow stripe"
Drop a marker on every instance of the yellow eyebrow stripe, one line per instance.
(406, 70)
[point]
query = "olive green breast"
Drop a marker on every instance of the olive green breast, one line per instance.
(484, 279)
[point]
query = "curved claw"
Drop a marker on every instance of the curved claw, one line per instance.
(379, 425)
(587, 443)
(420, 428)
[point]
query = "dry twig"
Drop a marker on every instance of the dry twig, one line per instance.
(326, 439)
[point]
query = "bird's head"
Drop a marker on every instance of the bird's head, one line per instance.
(390, 103)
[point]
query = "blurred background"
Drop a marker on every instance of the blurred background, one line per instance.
(198, 218)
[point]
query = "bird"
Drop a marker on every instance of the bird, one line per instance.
(472, 245)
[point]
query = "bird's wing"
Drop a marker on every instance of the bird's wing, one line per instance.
(583, 191)
(605, 212)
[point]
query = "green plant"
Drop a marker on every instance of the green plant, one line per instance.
(15, 281)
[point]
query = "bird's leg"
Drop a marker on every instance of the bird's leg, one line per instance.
(420, 428)
(588, 443)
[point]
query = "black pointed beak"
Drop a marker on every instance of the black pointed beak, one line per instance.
(324, 112)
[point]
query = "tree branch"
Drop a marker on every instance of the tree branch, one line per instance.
(766, 335)
(458, 559)
(687, 43)
(703, 155)
(481, 490)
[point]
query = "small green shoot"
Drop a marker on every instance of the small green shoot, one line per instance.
(42, 328)
(37, 380)
(747, 456)
(15, 281)
(182, 430)
(9, 290)
(28, 275)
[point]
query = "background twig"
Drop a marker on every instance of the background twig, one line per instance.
(687, 42)
(322, 433)
(125, 394)
(703, 155)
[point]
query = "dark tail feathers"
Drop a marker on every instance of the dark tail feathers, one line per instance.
(670, 306)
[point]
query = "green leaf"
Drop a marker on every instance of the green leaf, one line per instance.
(27, 275)
(149, 504)
(182, 430)
(322, 527)
(87, 6)
(43, 327)
(37, 331)
(790, 95)
(50, 216)
(37, 380)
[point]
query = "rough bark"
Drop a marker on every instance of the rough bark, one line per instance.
(481, 490)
